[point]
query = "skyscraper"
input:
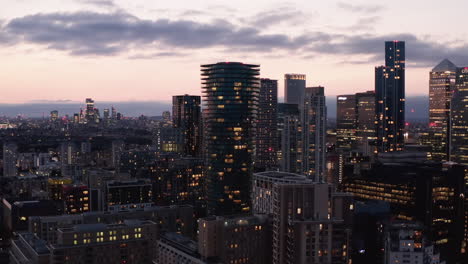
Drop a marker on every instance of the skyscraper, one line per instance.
(267, 126)
(365, 127)
(90, 111)
(186, 115)
(459, 114)
(390, 98)
(314, 133)
(54, 115)
(345, 122)
(10, 156)
(441, 86)
(290, 138)
(294, 88)
(231, 100)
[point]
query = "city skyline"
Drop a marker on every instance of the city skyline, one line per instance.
(142, 51)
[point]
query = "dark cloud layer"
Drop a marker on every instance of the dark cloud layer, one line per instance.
(104, 34)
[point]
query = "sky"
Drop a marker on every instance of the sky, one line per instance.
(140, 50)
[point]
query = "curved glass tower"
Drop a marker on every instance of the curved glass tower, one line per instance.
(230, 95)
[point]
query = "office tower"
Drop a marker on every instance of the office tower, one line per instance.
(294, 88)
(314, 133)
(345, 122)
(262, 188)
(76, 118)
(128, 195)
(75, 198)
(10, 157)
(113, 113)
(441, 87)
(179, 180)
(311, 223)
(127, 242)
(403, 182)
(106, 114)
(231, 100)
(186, 115)
(235, 239)
(406, 242)
(390, 98)
(365, 127)
(459, 116)
(267, 126)
(54, 115)
(90, 113)
(290, 155)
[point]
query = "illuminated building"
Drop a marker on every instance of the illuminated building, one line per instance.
(231, 99)
(314, 133)
(311, 223)
(10, 159)
(267, 126)
(345, 122)
(186, 115)
(459, 114)
(235, 239)
(390, 98)
(365, 127)
(294, 88)
(106, 114)
(75, 198)
(290, 157)
(128, 195)
(428, 192)
(179, 180)
(90, 113)
(127, 242)
(54, 187)
(441, 86)
(54, 116)
(166, 116)
(406, 242)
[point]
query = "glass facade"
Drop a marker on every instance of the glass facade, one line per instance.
(186, 114)
(345, 122)
(390, 98)
(459, 133)
(294, 88)
(231, 91)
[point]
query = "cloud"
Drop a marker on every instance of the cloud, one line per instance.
(355, 8)
(120, 33)
(277, 16)
(99, 3)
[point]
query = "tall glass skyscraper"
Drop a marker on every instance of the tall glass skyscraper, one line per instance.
(441, 86)
(186, 115)
(294, 88)
(390, 98)
(345, 122)
(459, 114)
(231, 91)
(267, 126)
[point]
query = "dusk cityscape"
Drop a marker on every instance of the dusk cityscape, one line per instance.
(233, 132)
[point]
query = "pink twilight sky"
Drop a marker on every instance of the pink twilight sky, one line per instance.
(144, 50)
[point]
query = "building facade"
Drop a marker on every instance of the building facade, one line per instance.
(186, 114)
(294, 88)
(231, 99)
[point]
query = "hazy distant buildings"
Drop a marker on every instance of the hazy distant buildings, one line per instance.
(186, 115)
(390, 98)
(314, 120)
(267, 126)
(441, 87)
(231, 99)
(54, 115)
(294, 88)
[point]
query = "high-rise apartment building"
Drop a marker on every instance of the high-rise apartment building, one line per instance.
(346, 122)
(294, 88)
(10, 157)
(267, 126)
(441, 87)
(390, 98)
(365, 122)
(311, 223)
(289, 138)
(459, 118)
(186, 115)
(231, 99)
(314, 118)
